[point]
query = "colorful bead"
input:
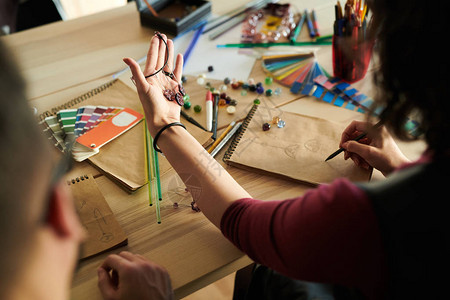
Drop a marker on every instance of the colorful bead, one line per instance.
(197, 108)
(269, 80)
(231, 109)
(183, 79)
(222, 102)
(251, 81)
(227, 80)
(260, 89)
(277, 91)
(269, 92)
(187, 104)
(252, 87)
(281, 124)
(243, 93)
(245, 86)
(223, 88)
(256, 101)
(266, 126)
(201, 80)
(186, 97)
(222, 95)
(210, 68)
(275, 120)
(233, 102)
(235, 85)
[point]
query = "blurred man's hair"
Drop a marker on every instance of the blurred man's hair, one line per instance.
(24, 173)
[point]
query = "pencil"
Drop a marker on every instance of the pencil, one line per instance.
(226, 139)
(192, 44)
(337, 152)
(221, 137)
(359, 137)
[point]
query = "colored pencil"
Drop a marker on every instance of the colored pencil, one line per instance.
(192, 44)
(226, 139)
(221, 137)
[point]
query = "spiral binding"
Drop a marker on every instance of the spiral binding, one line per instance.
(77, 100)
(239, 134)
(77, 179)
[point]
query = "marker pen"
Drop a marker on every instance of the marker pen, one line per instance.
(209, 110)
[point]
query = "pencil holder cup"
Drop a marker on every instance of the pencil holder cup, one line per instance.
(351, 57)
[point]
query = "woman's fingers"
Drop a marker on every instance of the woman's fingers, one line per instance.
(170, 47)
(178, 71)
(161, 52)
(138, 76)
(152, 56)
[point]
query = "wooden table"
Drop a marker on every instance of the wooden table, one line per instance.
(63, 60)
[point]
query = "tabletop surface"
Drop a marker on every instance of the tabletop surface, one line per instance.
(63, 60)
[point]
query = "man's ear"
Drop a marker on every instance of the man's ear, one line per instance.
(62, 217)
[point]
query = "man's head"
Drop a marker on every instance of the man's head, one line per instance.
(38, 222)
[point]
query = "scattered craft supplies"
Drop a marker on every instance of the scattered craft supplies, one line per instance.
(85, 130)
(303, 75)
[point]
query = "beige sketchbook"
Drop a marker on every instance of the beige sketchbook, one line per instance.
(104, 232)
(297, 151)
(123, 159)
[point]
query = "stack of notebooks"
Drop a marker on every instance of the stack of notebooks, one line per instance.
(296, 151)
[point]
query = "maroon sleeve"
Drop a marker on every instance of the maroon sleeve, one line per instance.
(329, 235)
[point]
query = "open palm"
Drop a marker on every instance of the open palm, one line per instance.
(159, 109)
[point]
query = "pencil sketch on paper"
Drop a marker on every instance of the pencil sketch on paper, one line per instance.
(101, 221)
(312, 145)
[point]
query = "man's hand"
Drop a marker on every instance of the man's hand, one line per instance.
(131, 276)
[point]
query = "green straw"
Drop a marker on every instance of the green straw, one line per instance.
(148, 162)
(156, 182)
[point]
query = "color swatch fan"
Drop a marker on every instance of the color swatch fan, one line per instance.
(84, 130)
(296, 71)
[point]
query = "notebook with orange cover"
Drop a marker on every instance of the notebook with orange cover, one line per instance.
(297, 151)
(103, 231)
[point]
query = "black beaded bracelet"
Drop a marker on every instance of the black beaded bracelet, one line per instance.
(161, 131)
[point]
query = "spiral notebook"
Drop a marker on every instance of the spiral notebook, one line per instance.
(123, 159)
(296, 151)
(103, 231)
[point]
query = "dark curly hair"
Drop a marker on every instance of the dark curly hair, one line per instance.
(413, 78)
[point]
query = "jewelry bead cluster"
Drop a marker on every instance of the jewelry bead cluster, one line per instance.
(225, 100)
(275, 121)
(275, 31)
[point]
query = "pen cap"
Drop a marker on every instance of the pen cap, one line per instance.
(209, 96)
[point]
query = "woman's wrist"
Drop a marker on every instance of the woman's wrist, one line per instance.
(162, 131)
(155, 126)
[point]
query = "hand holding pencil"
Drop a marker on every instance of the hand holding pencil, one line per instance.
(376, 148)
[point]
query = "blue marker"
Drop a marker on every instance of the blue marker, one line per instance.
(309, 24)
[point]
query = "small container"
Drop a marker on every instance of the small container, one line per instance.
(174, 16)
(351, 56)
